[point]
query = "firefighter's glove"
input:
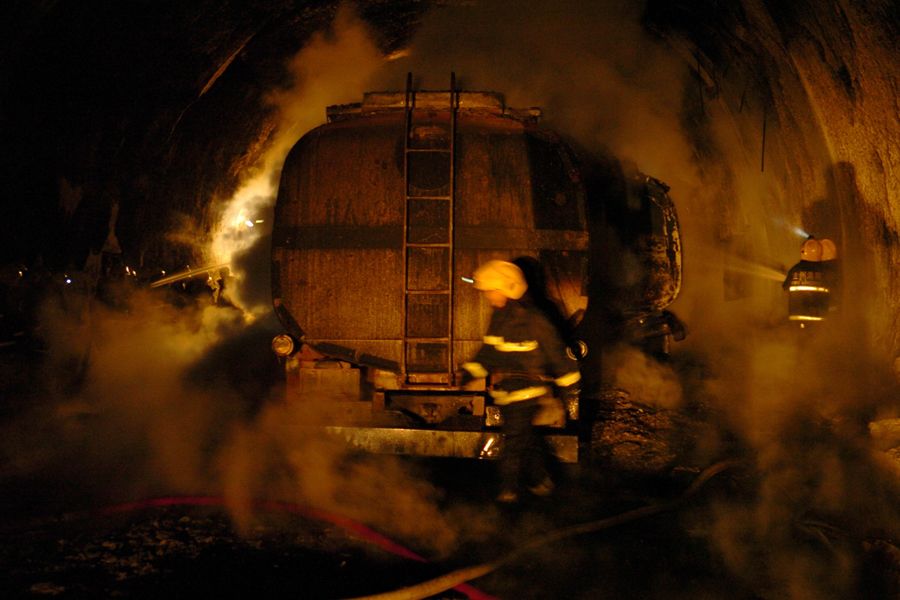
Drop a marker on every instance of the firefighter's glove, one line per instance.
(470, 382)
(473, 376)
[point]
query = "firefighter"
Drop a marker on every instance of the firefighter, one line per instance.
(808, 284)
(526, 358)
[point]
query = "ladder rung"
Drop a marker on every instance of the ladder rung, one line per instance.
(439, 149)
(429, 339)
(444, 291)
(408, 198)
(427, 245)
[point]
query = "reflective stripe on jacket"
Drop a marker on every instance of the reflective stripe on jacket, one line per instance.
(526, 350)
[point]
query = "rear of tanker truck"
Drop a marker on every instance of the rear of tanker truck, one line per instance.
(381, 215)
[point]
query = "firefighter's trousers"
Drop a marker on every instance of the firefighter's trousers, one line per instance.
(525, 457)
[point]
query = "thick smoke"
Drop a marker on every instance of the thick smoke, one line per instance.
(334, 67)
(587, 64)
(166, 395)
(117, 415)
(647, 380)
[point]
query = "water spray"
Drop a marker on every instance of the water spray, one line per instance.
(794, 229)
(187, 274)
(737, 264)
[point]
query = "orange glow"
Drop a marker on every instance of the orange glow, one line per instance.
(235, 232)
(335, 67)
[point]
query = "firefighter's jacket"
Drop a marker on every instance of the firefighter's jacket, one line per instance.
(812, 287)
(808, 273)
(524, 354)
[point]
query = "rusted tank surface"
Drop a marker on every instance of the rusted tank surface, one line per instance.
(384, 209)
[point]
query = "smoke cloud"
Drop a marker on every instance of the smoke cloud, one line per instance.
(164, 394)
(334, 67)
(647, 380)
(589, 65)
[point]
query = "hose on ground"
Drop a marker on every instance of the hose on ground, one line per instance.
(455, 578)
(346, 523)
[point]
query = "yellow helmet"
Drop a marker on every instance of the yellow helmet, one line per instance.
(502, 276)
(811, 250)
(829, 250)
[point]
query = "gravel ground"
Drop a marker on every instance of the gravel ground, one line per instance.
(182, 552)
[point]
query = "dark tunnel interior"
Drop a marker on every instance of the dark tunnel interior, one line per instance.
(147, 139)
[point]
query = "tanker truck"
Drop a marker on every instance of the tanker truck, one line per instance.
(384, 212)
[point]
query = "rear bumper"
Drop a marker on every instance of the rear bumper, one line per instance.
(438, 443)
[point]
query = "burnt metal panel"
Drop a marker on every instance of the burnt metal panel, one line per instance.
(429, 173)
(336, 236)
(427, 268)
(635, 243)
(492, 185)
(428, 132)
(428, 315)
(427, 226)
(556, 190)
(346, 293)
(426, 356)
(335, 176)
(339, 227)
(508, 238)
(339, 223)
(429, 221)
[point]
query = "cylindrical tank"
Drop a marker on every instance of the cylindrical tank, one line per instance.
(384, 209)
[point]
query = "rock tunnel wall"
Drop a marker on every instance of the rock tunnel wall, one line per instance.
(794, 112)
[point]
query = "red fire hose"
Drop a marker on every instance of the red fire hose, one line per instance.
(345, 523)
(455, 579)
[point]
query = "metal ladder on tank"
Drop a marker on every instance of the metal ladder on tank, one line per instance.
(427, 353)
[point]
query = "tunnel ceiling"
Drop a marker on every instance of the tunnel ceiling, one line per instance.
(154, 103)
(160, 105)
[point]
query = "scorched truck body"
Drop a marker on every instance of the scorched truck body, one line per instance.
(382, 213)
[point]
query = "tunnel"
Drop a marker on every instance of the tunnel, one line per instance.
(143, 149)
